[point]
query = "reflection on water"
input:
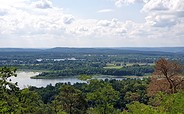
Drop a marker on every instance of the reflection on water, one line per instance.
(24, 80)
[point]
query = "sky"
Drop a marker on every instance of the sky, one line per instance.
(91, 23)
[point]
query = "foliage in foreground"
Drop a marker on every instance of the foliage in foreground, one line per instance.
(94, 97)
(160, 104)
(17, 101)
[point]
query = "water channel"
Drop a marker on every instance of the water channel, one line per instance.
(24, 80)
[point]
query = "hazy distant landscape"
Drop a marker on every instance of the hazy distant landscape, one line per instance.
(62, 62)
(90, 50)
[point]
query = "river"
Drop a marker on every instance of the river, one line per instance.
(24, 80)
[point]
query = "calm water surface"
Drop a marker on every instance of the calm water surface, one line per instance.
(24, 80)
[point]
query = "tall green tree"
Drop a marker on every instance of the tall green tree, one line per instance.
(16, 101)
(8, 91)
(71, 100)
(140, 108)
(103, 98)
(30, 102)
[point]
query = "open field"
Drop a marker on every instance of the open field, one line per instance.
(115, 66)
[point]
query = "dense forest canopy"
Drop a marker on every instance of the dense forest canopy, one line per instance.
(98, 96)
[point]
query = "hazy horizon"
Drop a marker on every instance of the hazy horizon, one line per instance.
(91, 24)
(85, 47)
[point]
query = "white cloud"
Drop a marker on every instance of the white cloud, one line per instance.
(43, 4)
(120, 3)
(110, 23)
(164, 13)
(104, 23)
(105, 11)
(68, 19)
(164, 5)
(49, 26)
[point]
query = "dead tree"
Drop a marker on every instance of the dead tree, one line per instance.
(166, 77)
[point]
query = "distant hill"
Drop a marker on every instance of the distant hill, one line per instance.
(19, 49)
(106, 51)
(160, 49)
(123, 50)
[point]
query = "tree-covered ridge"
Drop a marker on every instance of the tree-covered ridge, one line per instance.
(124, 71)
(132, 96)
(75, 61)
